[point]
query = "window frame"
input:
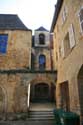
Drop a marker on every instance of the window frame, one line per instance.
(40, 43)
(64, 14)
(43, 65)
(80, 20)
(3, 53)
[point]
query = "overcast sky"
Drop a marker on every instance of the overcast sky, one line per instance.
(33, 13)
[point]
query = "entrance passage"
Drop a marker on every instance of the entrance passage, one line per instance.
(80, 88)
(41, 92)
(65, 96)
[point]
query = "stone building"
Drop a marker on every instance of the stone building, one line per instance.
(67, 27)
(20, 84)
(43, 87)
(15, 54)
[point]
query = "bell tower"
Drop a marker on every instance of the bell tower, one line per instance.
(41, 51)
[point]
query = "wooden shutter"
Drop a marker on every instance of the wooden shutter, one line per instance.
(62, 49)
(71, 36)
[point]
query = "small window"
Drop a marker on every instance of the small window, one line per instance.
(81, 18)
(3, 43)
(41, 39)
(66, 44)
(59, 51)
(42, 62)
(56, 56)
(64, 14)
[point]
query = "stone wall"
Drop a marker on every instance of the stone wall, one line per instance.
(18, 50)
(14, 89)
(69, 66)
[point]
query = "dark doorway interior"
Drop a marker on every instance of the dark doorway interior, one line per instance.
(41, 92)
(65, 96)
(80, 88)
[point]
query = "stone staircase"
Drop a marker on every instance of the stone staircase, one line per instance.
(38, 115)
(35, 118)
(41, 115)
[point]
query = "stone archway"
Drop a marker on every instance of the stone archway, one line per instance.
(40, 92)
(80, 88)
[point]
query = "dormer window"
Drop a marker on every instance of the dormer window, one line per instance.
(41, 39)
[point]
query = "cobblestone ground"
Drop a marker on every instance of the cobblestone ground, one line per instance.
(28, 123)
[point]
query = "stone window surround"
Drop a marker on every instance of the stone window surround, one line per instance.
(64, 14)
(69, 39)
(80, 20)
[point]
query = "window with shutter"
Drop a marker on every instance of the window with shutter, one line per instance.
(71, 36)
(62, 49)
(81, 18)
(64, 14)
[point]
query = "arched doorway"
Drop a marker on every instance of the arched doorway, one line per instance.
(41, 93)
(41, 39)
(80, 88)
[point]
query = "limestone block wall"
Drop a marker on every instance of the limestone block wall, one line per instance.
(14, 90)
(18, 50)
(68, 67)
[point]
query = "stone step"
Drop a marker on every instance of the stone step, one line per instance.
(41, 115)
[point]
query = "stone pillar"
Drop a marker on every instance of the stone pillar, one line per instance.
(28, 98)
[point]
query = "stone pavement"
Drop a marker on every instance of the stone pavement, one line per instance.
(49, 122)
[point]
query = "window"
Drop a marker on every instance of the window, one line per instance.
(59, 51)
(56, 56)
(69, 42)
(81, 18)
(64, 14)
(3, 43)
(71, 36)
(42, 62)
(41, 39)
(66, 44)
(62, 49)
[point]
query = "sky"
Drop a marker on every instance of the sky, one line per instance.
(33, 13)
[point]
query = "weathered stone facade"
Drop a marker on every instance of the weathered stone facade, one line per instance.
(18, 50)
(42, 49)
(18, 56)
(68, 57)
(17, 77)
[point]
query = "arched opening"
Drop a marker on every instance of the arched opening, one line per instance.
(42, 62)
(40, 92)
(2, 101)
(80, 88)
(41, 39)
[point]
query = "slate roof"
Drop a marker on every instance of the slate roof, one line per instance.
(41, 29)
(56, 14)
(11, 22)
